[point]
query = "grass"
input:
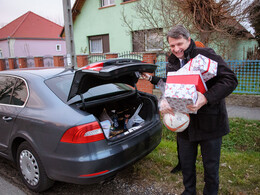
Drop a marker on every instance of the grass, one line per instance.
(239, 164)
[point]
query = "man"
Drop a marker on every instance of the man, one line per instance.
(155, 80)
(207, 127)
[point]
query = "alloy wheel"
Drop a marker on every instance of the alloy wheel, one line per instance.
(29, 167)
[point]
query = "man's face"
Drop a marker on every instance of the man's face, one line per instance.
(178, 46)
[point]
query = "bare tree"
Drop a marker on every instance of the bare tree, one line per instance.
(156, 16)
(211, 16)
(253, 13)
(210, 21)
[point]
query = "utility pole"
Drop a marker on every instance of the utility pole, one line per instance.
(69, 36)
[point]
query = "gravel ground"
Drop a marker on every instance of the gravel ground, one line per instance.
(126, 182)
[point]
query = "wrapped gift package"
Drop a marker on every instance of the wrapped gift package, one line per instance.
(180, 95)
(187, 77)
(207, 67)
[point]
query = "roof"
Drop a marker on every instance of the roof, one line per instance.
(31, 25)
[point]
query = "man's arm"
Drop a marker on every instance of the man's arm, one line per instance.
(223, 84)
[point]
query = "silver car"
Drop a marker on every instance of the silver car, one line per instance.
(78, 126)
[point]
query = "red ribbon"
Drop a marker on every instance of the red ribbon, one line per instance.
(207, 69)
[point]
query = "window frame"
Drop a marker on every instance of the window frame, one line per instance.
(109, 4)
(27, 91)
(104, 41)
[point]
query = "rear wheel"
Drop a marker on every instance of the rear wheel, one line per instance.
(31, 169)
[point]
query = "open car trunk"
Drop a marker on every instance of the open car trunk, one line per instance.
(123, 115)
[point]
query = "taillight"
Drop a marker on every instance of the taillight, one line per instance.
(90, 132)
(97, 66)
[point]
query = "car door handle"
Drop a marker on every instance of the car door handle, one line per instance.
(7, 118)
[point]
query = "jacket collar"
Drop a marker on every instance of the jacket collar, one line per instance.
(189, 50)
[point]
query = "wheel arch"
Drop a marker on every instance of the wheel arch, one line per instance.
(16, 142)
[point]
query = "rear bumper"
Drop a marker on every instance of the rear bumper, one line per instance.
(95, 162)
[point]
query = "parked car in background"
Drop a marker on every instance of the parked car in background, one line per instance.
(77, 126)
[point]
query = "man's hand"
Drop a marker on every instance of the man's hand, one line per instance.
(165, 107)
(146, 76)
(201, 101)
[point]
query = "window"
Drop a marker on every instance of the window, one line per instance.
(128, 1)
(12, 91)
(60, 85)
(96, 46)
(154, 41)
(147, 40)
(107, 2)
(1, 53)
(58, 47)
(99, 44)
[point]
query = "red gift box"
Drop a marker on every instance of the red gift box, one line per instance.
(189, 77)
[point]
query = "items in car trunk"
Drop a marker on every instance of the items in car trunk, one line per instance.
(115, 124)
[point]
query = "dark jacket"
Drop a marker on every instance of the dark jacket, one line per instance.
(211, 120)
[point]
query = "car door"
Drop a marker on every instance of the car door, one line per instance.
(108, 71)
(13, 95)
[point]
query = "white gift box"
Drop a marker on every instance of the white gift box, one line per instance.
(180, 95)
(206, 66)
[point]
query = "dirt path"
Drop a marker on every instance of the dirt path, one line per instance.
(126, 182)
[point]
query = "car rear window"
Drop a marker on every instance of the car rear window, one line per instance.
(60, 85)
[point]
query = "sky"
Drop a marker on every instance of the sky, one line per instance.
(49, 9)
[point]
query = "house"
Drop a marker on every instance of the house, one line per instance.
(31, 35)
(99, 28)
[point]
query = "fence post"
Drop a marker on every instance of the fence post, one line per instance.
(38, 61)
(11, 62)
(22, 62)
(2, 64)
(149, 58)
(58, 61)
(142, 84)
(82, 60)
(111, 55)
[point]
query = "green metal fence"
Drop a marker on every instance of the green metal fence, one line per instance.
(247, 72)
(96, 58)
(99, 57)
(131, 55)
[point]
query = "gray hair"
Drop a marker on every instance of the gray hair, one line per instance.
(177, 32)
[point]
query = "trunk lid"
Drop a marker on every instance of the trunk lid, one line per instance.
(108, 71)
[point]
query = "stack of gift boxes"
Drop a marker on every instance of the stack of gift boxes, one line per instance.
(182, 86)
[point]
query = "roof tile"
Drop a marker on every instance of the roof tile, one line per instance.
(31, 25)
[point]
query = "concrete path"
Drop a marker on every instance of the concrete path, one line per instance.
(243, 112)
(8, 188)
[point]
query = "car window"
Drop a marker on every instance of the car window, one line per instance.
(13, 90)
(60, 85)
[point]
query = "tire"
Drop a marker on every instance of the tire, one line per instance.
(31, 169)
